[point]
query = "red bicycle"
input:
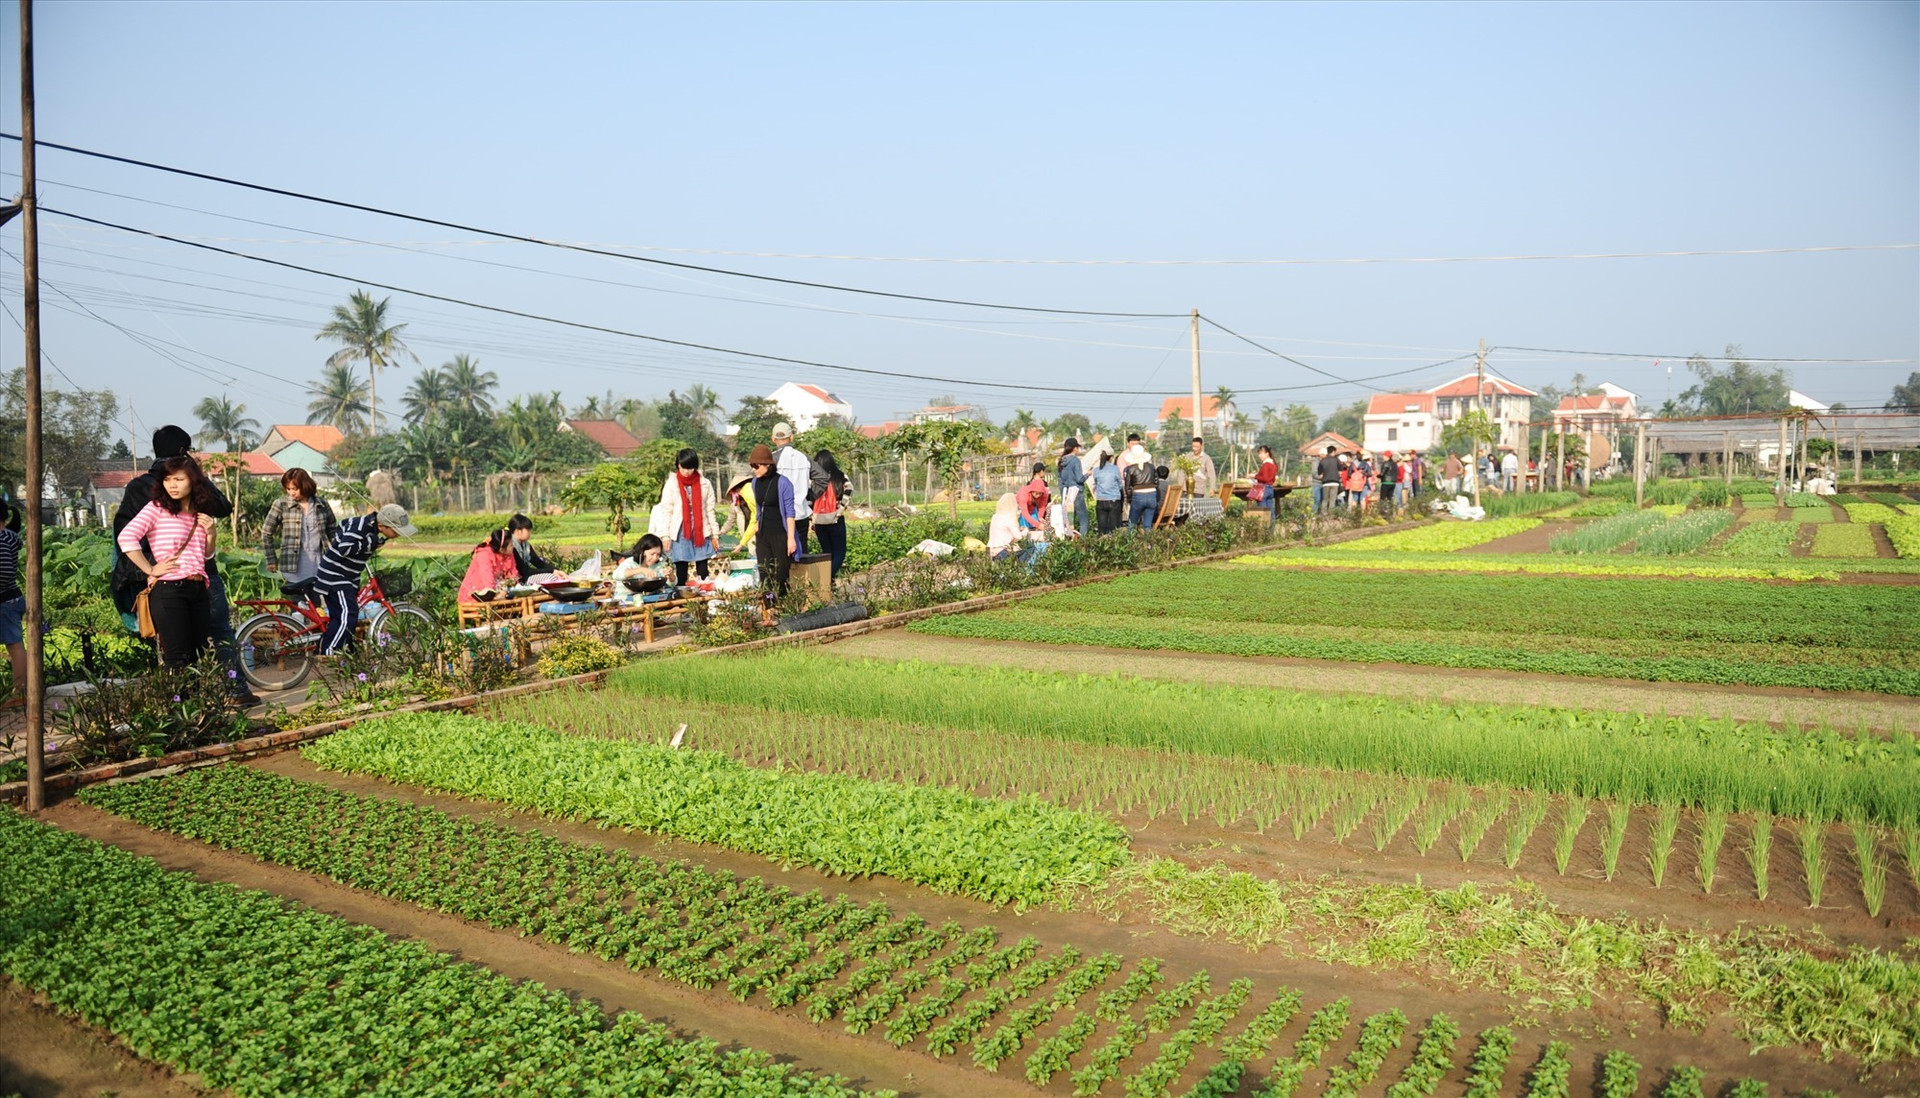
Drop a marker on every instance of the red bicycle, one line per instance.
(279, 642)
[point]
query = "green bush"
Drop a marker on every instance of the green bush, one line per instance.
(871, 543)
(577, 655)
(1712, 493)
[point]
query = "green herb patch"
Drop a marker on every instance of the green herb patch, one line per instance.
(1846, 539)
(1630, 757)
(1763, 500)
(1539, 564)
(1821, 513)
(1000, 851)
(1442, 537)
(1904, 532)
(1684, 534)
(1607, 534)
(261, 998)
(1763, 540)
(1869, 512)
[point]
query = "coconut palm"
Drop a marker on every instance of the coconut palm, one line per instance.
(703, 404)
(468, 386)
(361, 327)
(429, 395)
(222, 419)
(340, 400)
(1222, 397)
(1016, 428)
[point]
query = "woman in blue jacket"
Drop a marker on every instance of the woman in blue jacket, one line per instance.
(1106, 493)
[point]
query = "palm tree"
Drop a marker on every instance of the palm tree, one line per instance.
(1023, 418)
(361, 327)
(429, 395)
(703, 404)
(468, 386)
(222, 419)
(1222, 397)
(340, 400)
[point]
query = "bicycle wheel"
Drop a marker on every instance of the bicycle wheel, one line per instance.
(406, 626)
(276, 651)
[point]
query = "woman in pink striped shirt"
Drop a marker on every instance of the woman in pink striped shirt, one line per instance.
(180, 539)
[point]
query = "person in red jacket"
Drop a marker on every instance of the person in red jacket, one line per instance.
(1269, 475)
(1034, 499)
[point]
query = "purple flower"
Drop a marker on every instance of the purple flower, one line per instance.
(362, 676)
(176, 697)
(233, 674)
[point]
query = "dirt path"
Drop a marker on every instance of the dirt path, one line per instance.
(1527, 541)
(46, 1055)
(1878, 712)
(871, 1060)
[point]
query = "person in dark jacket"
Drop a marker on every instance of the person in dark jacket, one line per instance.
(525, 560)
(775, 541)
(127, 580)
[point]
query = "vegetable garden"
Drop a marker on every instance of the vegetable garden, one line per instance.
(829, 870)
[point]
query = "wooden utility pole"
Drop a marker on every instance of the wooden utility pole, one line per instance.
(1199, 417)
(1640, 465)
(36, 468)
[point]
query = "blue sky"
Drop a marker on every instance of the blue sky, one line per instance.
(1183, 146)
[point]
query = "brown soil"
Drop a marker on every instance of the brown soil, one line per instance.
(1776, 705)
(1529, 541)
(50, 1055)
(869, 1058)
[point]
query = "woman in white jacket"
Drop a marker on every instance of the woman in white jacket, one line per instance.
(684, 517)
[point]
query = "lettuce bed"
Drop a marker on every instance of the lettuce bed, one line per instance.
(1018, 851)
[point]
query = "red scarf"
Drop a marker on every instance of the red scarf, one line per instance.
(693, 518)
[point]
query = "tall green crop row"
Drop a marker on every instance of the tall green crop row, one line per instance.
(999, 851)
(1625, 757)
(261, 998)
(1607, 534)
(1685, 534)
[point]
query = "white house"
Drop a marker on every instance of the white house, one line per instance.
(1510, 406)
(1400, 422)
(806, 405)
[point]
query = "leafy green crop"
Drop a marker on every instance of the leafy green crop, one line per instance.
(1627, 757)
(1000, 851)
(1443, 537)
(262, 998)
(1845, 539)
(1760, 541)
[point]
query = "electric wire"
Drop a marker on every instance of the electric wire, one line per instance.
(584, 249)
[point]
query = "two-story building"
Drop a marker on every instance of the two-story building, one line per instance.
(1219, 417)
(806, 405)
(1397, 422)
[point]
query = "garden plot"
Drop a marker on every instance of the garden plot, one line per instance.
(1831, 637)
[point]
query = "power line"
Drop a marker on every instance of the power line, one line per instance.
(585, 249)
(576, 323)
(1708, 358)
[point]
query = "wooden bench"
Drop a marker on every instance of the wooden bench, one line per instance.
(494, 611)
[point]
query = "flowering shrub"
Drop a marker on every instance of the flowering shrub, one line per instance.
(167, 709)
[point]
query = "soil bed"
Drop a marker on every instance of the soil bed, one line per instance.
(870, 1060)
(49, 1055)
(1776, 705)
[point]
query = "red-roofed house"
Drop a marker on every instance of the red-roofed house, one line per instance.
(106, 489)
(256, 464)
(1401, 421)
(1341, 444)
(806, 405)
(879, 430)
(321, 438)
(614, 440)
(1219, 417)
(1510, 406)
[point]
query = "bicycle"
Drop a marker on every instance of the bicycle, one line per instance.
(279, 642)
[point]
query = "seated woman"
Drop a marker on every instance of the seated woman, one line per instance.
(1004, 533)
(646, 562)
(491, 569)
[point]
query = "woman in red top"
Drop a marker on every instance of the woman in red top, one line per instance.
(492, 567)
(1269, 475)
(1034, 498)
(180, 536)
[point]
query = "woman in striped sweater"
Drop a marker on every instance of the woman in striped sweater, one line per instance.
(170, 540)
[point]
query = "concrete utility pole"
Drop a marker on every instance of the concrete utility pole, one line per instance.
(1199, 419)
(1480, 398)
(1726, 446)
(36, 470)
(1640, 465)
(1780, 467)
(1559, 460)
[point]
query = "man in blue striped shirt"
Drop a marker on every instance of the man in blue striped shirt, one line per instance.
(337, 583)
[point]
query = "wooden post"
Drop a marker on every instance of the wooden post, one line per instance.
(1640, 466)
(903, 482)
(1780, 467)
(1560, 461)
(1856, 457)
(36, 464)
(1803, 454)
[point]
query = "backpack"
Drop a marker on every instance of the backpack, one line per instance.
(827, 502)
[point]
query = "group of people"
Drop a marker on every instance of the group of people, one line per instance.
(1359, 480)
(166, 531)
